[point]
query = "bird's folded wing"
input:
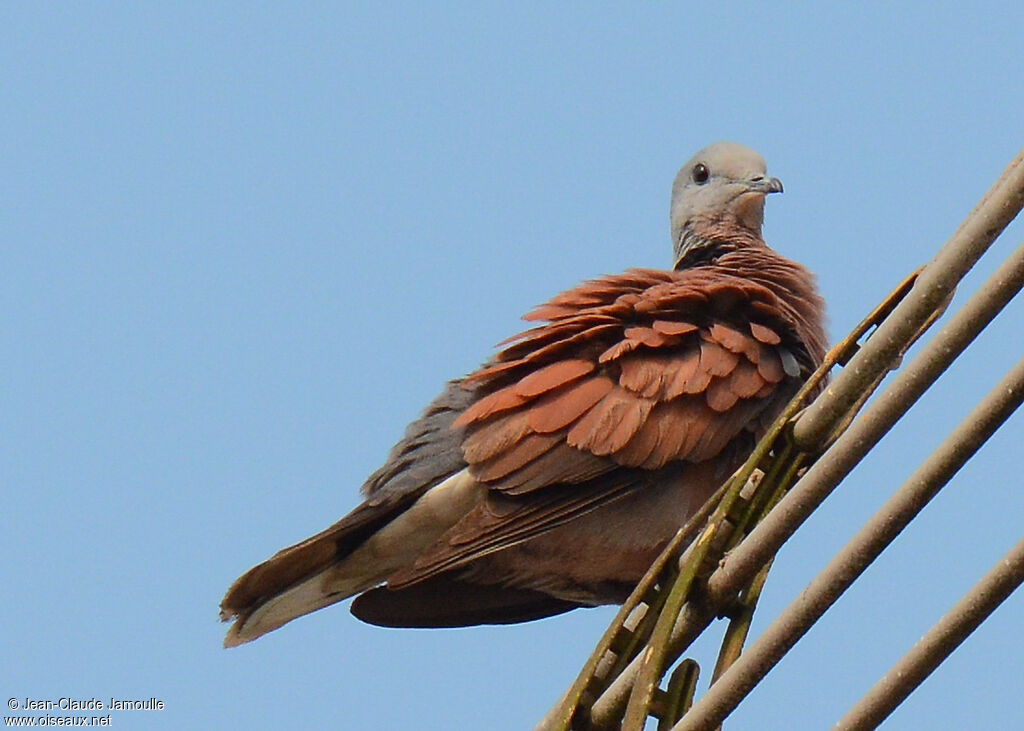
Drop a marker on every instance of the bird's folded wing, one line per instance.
(501, 521)
(632, 374)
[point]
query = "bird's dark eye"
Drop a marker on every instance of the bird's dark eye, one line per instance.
(700, 173)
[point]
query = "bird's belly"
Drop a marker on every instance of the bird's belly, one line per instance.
(599, 557)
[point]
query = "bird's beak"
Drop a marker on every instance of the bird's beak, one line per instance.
(765, 185)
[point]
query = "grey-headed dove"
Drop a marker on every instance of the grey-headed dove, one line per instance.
(552, 476)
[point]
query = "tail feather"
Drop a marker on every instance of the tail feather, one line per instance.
(311, 575)
(318, 591)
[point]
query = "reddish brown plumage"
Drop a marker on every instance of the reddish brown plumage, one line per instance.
(665, 355)
(625, 377)
(566, 462)
(764, 334)
(549, 377)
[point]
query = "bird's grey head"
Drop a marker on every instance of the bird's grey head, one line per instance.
(719, 190)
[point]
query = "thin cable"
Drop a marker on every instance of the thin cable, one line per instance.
(938, 280)
(866, 545)
(941, 640)
(764, 541)
(878, 417)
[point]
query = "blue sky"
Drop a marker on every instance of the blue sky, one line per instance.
(242, 245)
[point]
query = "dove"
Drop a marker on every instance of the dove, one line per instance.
(551, 477)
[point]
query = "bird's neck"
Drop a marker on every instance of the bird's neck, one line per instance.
(700, 243)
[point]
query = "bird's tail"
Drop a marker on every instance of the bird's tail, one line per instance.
(314, 574)
(288, 585)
